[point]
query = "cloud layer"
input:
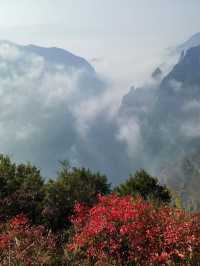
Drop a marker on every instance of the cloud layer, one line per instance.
(49, 112)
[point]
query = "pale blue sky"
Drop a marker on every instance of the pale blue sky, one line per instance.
(126, 36)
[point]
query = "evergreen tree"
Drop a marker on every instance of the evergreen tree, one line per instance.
(146, 186)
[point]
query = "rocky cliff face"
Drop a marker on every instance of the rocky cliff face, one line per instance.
(168, 116)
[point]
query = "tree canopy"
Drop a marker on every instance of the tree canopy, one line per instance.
(146, 186)
(71, 185)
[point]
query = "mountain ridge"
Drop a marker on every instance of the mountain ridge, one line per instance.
(167, 115)
(54, 55)
(193, 41)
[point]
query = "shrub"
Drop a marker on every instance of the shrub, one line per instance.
(23, 244)
(122, 231)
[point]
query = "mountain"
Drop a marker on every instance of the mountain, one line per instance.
(60, 56)
(47, 106)
(168, 120)
(191, 42)
(187, 69)
(157, 73)
(54, 106)
(52, 55)
(183, 176)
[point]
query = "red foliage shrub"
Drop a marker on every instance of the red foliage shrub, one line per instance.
(23, 244)
(123, 231)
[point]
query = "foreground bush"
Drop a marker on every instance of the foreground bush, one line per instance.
(122, 231)
(26, 245)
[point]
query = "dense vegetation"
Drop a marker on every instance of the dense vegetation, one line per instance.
(78, 219)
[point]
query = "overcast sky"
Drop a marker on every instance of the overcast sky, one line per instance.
(123, 38)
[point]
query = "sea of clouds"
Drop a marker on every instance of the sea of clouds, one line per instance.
(50, 112)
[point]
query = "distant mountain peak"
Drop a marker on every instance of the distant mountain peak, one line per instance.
(157, 73)
(191, 42)
(186, 70)
(54, 55)
(7, 42)
(60, 56)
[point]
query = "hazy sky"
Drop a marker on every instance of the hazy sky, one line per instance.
(123, 38)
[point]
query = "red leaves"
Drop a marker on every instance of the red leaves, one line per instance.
(19, 221)
(116, 231)
(24, 244)
(120, 230)
(4, 241)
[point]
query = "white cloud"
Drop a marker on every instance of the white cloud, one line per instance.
(46, 111)
(9, 52)
(130, 134)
